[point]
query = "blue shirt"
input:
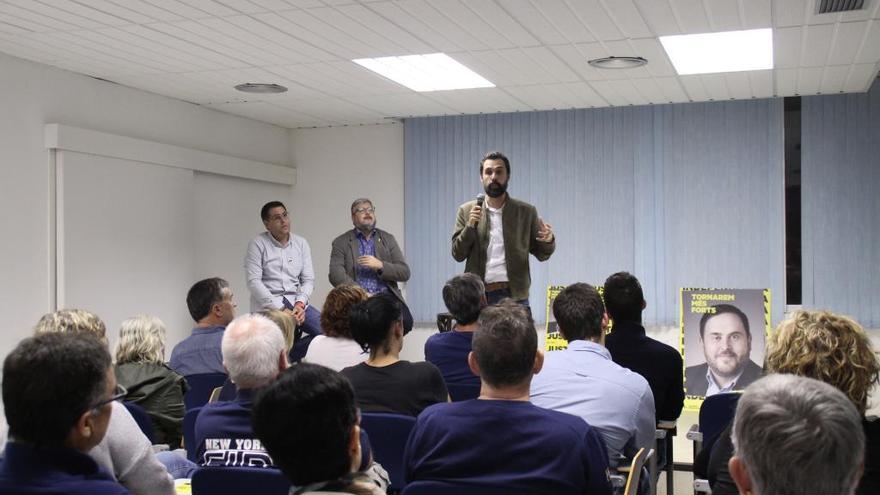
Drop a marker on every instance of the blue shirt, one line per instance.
(225, 437)
(367, 277)
(26, 469)
(498, 446)
(199, 353)
(449, 351)
(275, 271)
(584, 381)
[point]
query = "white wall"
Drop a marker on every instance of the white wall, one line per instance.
(334, 167)
(34, 95)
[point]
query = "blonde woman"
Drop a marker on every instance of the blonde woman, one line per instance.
(151, 384)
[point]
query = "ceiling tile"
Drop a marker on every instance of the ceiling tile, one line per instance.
(786, 82)
(597, 19)
(673, 91)
(761, 82)
(861, 77)
(483, 30)
(870, 49)
(817, 45)
(756, 14)
(408, 42)
(627, 18)
(833, 79)
(787, 46)
(659, 17)
(561, 15)
(723, 15)
(431, 16)
(716, 86)
(809, 80)
(691, 16)
(790, 12)
(847, 41)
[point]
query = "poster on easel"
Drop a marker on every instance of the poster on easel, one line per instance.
(554, 340)
(722, 338)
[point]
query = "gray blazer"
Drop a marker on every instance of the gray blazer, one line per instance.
(344, 255)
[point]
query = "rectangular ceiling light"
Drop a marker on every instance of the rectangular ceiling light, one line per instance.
(730, 51)
(431, 72)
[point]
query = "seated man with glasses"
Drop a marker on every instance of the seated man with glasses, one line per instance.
(369, 257)
(278, 268)
(57, 394)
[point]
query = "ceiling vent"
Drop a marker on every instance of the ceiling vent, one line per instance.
(835, 6)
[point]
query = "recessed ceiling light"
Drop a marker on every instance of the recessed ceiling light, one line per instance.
(729, 51)
(617, 62)
(430, 72)
(260, 88)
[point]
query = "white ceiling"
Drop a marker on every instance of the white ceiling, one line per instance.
(535, 51)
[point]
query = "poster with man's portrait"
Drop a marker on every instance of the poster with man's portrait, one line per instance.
(723, 333)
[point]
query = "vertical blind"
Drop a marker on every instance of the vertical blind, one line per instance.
(680, 195)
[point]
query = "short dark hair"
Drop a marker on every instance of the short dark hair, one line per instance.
(505, 344)
(578, 310)
(49, 381)
(264, 211)
(624, 297)
(720, 309)
(463, 295)
(495, 155)
(203, 295)
(371, 321)
(304, 419)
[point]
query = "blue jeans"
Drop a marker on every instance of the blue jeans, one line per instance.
(177, 465)
(495, 296)
(310, 328)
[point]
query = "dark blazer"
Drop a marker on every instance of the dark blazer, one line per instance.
(695, 378)
(344, 254)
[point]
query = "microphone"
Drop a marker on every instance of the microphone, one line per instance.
(480, 198)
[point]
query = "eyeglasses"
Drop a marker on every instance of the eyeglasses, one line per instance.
(364, 209)
(119, 393)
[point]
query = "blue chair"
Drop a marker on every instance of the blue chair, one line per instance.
(388, 435)
(463, 391)
(238, 480)
(142, 419)
(189, 433)
(200, 388)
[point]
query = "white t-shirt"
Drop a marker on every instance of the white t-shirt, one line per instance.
(335, 352)
(496, 265)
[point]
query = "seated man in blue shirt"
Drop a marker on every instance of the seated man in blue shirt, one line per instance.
(211, 305)
(57, 394)
(501, 443)
(465, 297)
(584, 381)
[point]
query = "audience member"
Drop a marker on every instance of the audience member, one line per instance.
(501, 443)
(336, 349)
(254, 355)
(464, 296)
(584, 381)
(151, 384)
(308, 422)
(796, 435)
(124, 451)
(658, 363)
(825, 346)
(384, 383)
(57, 391)
(211, 306)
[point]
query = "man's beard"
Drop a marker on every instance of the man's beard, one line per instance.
(496, 190)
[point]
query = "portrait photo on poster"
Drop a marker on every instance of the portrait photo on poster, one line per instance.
(723, 333)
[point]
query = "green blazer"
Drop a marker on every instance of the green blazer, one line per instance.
(520, 225)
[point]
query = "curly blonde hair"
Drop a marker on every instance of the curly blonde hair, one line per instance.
(334, 314)
(285, 323)
(72, 320)
(828, 347)
(141, 340)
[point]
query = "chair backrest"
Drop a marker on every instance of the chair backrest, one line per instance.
(715, 414)
(189, 433)
(237, 480)
(142, 419)
(388, 435)
(635, 471)
(463, 391)
(200, 388)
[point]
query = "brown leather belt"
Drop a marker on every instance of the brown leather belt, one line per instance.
(496, 286)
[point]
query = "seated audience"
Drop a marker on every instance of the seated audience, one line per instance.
(125, 451)
(254, 354)
(57, 391)
(501, 443)
(151, 384)
(584, 381)
(336, 349)
(825, 346)
(308, 422)
(384, 383)
(211, 306)
(629, 346)
(464, 296)
(796, 435)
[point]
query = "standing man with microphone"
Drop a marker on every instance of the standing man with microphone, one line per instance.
(495, 244)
